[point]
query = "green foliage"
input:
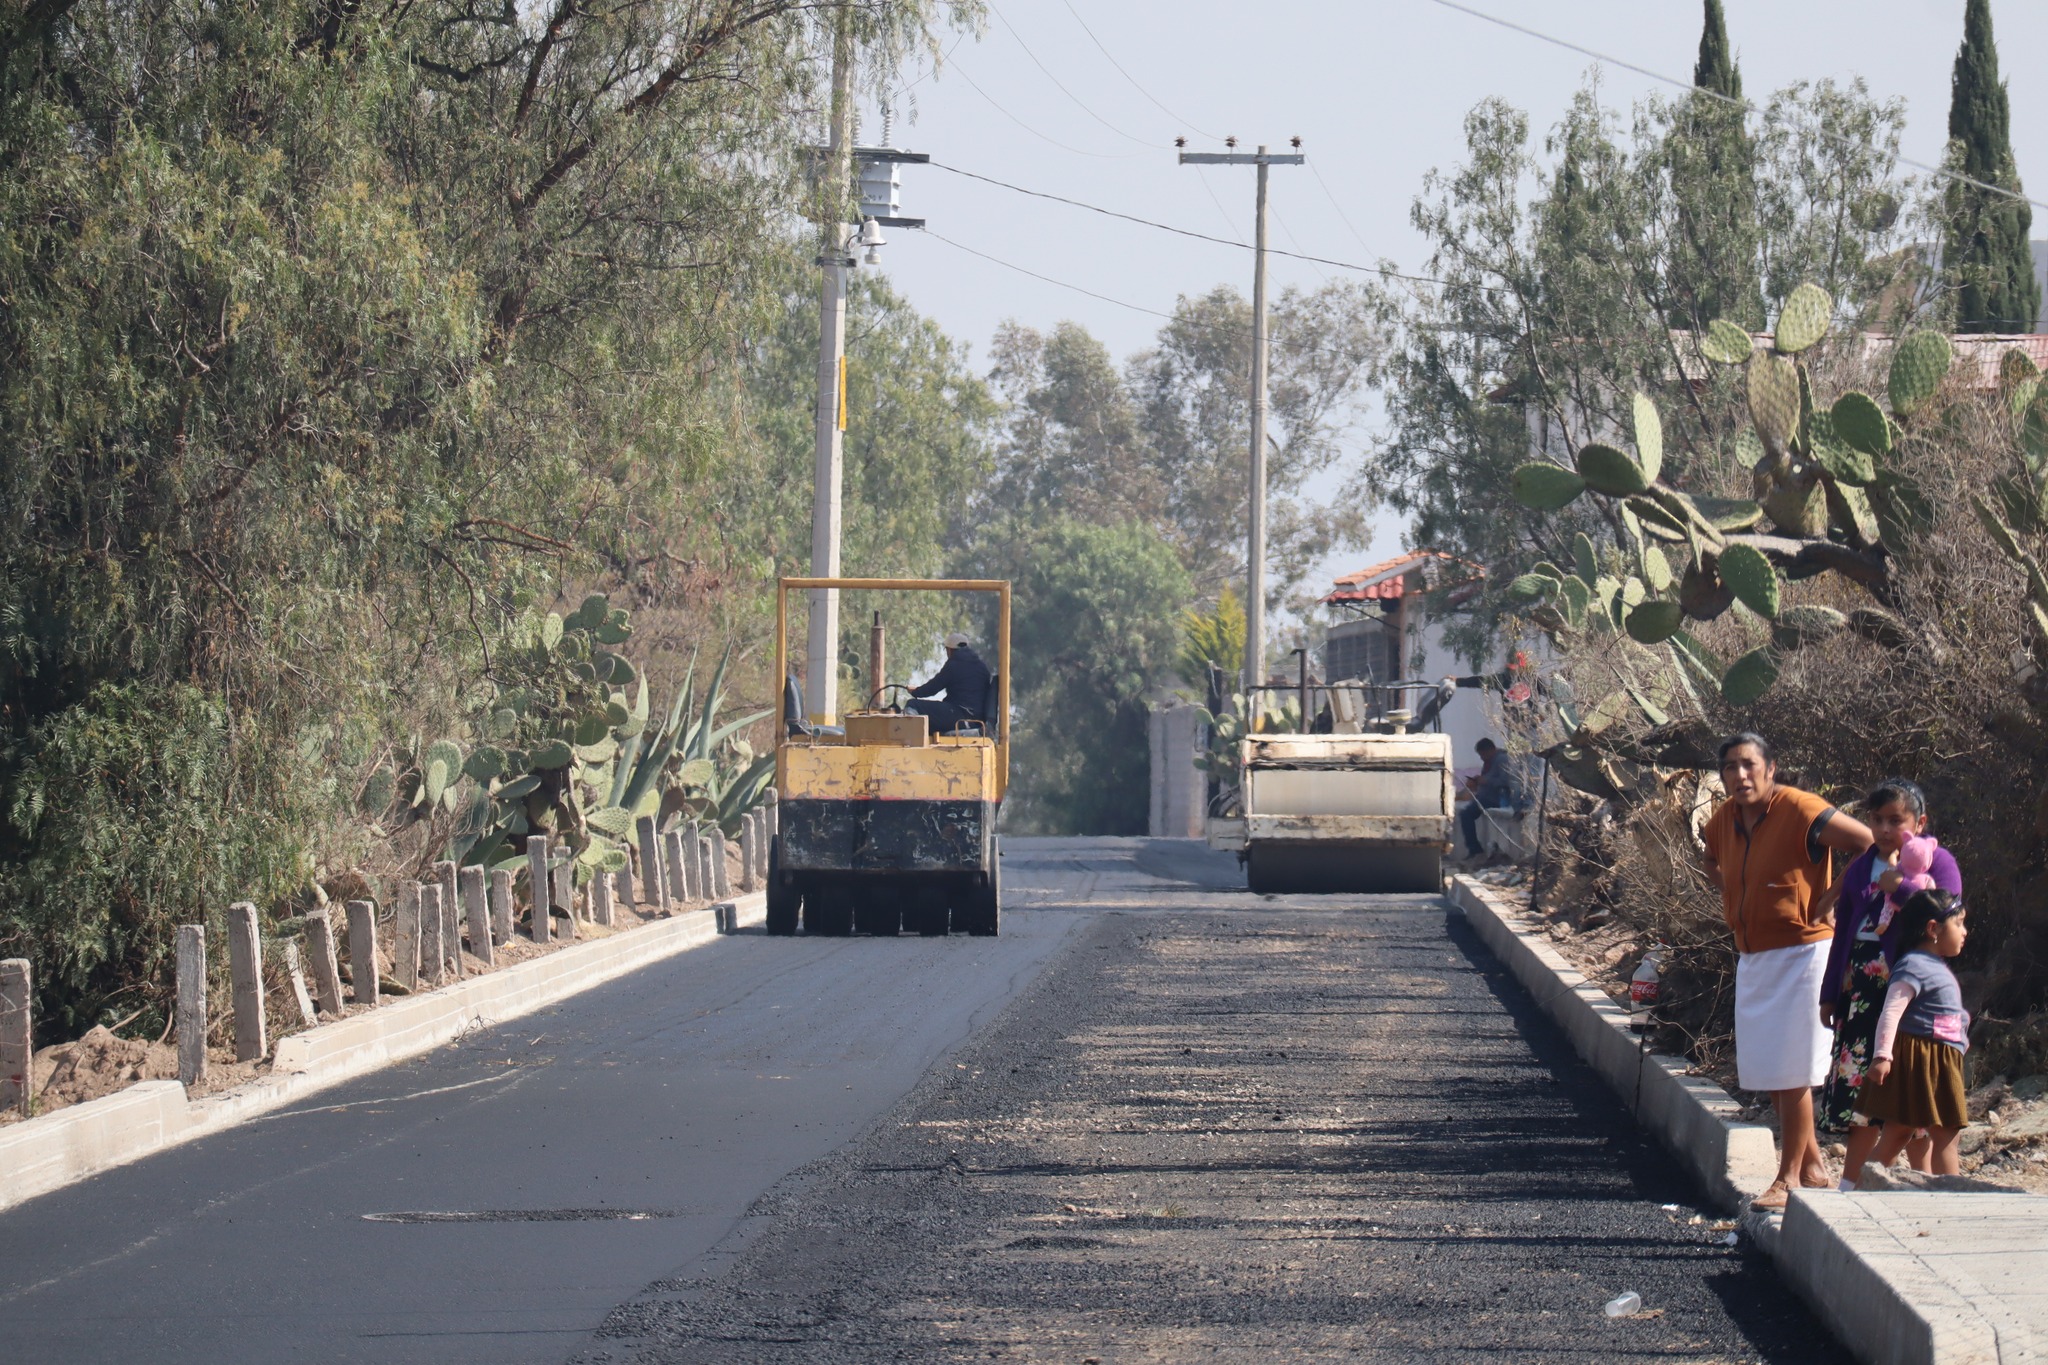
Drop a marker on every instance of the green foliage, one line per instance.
(1094, 631)
(1211, 640)
(126, 816)
(1986, 258)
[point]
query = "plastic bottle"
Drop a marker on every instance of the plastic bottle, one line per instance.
(1642, 989)
(1627, 1306)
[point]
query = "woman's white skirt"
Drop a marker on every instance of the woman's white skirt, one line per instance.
(1779, 1041)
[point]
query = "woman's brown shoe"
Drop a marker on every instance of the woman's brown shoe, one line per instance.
(1772, 1200)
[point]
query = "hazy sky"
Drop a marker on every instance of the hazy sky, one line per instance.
(1377, 90)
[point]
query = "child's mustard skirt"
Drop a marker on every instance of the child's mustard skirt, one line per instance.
(1924, 1089)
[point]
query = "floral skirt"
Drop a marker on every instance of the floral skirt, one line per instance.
(1856, 1010)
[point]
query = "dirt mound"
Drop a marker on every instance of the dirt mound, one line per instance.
(98, 1064)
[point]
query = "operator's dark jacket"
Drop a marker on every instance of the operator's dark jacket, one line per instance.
(964, 680)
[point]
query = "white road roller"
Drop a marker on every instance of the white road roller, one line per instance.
(1368, 811)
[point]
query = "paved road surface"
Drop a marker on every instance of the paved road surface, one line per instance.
(1159, 1119)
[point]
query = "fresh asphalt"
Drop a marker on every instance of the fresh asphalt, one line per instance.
(851, 1150)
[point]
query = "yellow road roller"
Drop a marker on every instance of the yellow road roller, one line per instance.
(884, 825)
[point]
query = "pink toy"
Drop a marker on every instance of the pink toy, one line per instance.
(1916, 858)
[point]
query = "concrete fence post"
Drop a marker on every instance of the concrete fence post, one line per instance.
(538, 890)
(653, 882)
(707, 866)
(501, 906)
(675, 866)
(300, 994)
(326, 971)
(601, 899)
(747, 841)
(625, 881)
(433, 954)
(191, 1020)
(721, 861)
(478, 915)
(362, 951)
(17, 1038)
(405, 937)
(245, 978)
(451, 915)
(565, 893)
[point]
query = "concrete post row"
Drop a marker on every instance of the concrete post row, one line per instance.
(451, 916)
(675, 856)
(432, 955)
(538, 887)
(326, 971)
(17, 1045)
(362, 950)
(653, 881)
(297, 975)
(501, 906)
(601, 899)
(478, 915)
(190, 1023)
(715, 850)
(245, 978)
(565, 892)
(405, 937)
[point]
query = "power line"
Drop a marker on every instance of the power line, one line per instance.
(1187, 123)
(1331, 195)
(1079, 289)
(1745, 105)
(1382, 271)
(1142, 142)
(961, 72)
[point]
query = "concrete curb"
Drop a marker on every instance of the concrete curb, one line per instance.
(1695, 1119)
(48, 1153)
(1859, 1260)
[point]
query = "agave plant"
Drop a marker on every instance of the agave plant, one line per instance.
(565, 750)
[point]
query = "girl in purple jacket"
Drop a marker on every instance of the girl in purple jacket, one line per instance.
(1860, 960)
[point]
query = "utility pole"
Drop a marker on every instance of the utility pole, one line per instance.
(822, 654)
(1255, 547)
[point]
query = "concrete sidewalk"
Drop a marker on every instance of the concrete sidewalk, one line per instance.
(1901, 1277)
(1904, 1277)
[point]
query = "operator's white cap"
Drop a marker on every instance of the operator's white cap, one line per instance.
(956, 641)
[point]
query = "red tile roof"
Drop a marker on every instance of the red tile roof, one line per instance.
(1388, 579)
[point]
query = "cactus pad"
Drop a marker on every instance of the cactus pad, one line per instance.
(1750, 676)
(1729, 514)
(1657, 519)
(1610, 471)
(1849, 510)
(1919, 363)
(1585, 559)
(1749, 448)
(1860, 424)
(1649, 438)
(1774, 400)
(1800, 626)
(1804, 320)
(1546, 487)
(1797, 509)
(1726, 343)
(2016, 367)
(1655, 622)
(1532, 587)
(1575, 597)
(1844, 464)
(1751, 578)
(1656, 569)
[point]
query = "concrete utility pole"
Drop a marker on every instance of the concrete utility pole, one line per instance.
(822, 686)
(1255, 546)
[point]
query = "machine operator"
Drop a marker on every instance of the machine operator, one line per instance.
(964, 679)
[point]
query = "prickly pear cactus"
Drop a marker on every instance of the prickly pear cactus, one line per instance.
(1819, 472)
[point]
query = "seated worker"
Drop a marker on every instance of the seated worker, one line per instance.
(964, 679)
(1497, 787)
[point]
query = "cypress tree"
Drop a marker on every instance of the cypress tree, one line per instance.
(1986, 259)
(1716, 70)
(1713, 269)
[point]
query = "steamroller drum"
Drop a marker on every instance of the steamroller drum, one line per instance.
(784, 899)
(925, 911)
(981, 906)
(828, 907)
(1310, 870)
(877, 908)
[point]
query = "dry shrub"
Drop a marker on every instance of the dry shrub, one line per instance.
(1954, 713)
